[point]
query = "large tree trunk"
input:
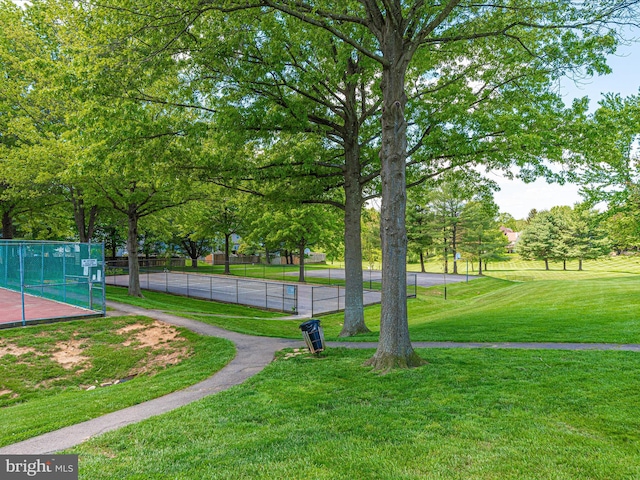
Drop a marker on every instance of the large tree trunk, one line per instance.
(394, 347)
(114, 244)
(301, 246)
(227, 269)
(422, 261)
(132, 248)
(7, 225)
(580, 264)
(353, 298)
(546, 264)
(192, 250)
(91, 224)
(353, 301)
(84, 225)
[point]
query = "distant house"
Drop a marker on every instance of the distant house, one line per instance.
(512, 237)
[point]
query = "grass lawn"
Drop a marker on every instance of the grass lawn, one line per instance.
(481, 414)
(178, 304)
(515, 268)
(46, 370)
(484, 310)
(467, 414)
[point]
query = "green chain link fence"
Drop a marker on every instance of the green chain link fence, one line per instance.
(71, 273)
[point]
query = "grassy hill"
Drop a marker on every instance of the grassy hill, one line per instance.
(514, 268)
(489, 309)
(593, 309)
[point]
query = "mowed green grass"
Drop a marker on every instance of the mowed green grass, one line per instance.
(39, 394)
(178, 304)
(467, 414)
(483, 310)
(479, 414)
(514, 268)
(488, 310)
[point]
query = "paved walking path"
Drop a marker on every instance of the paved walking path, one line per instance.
(252, 355)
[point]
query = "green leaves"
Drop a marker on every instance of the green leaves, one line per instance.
(608, 150)
(564, 233)
(289, 225)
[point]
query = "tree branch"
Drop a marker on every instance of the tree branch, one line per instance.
(322, 24)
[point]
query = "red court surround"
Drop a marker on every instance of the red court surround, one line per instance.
(35, 308)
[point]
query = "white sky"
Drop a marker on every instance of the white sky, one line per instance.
(518, 198)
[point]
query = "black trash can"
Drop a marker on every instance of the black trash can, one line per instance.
(313, 335)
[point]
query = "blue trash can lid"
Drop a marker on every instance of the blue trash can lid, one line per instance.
(310, 324)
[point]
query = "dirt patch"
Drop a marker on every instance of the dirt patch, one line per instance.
(130, 328)
(156, 335)
(10, 349)
(69, 354)
(161, 344)
(296, 352)
(161, 361)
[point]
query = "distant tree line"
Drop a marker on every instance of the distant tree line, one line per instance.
(562, 234)
(455, 218)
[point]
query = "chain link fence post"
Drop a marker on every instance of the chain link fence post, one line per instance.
(21, 261)
(64, 272)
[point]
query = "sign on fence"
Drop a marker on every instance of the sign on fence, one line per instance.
(89, 262)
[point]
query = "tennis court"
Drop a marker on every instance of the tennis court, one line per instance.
(43, 280)
(35, 308)
(270, 295)
(299, 299)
